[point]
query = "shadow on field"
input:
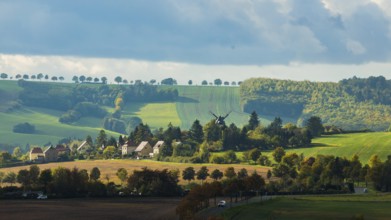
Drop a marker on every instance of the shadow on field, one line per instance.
(186, 100)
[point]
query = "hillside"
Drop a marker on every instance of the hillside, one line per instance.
(84, 108)
(346, 145)
(351, 104)
(193, 102)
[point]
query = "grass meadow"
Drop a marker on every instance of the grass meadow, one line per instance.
(316, 207)
(110, 167)
(346, 145)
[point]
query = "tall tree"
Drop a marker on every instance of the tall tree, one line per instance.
(101, 140)
(242, 173)
(122, 175)
(95, 174)
(23, 178)
(168, 81)
(230, 172)
(196, 133)
(278, 154)
(190, 82)
(216, 174)
(103, 79)
(314, 125)
(188, 174)
(218, 82)
(34, 174)
(253, 121)
(75, 79)
(82, 78)
(202, 174)
(45, 177)
(4, 75)
(39, 76)
(118, 79)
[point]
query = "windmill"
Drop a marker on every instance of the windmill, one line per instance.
(219, 119)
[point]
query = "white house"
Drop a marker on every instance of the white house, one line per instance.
(144, 149)
(157, 147)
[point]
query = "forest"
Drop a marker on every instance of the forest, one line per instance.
(351, 104)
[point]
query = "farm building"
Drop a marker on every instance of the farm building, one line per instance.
(84, 147)
(128, 148)
(36, 154)
(144, 149)
(157, 147)
(50, 154)
(62, 150)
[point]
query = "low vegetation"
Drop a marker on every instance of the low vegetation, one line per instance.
(315, 207)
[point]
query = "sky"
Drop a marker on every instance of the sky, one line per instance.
(317, 40)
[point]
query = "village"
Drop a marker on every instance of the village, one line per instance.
(128, 150)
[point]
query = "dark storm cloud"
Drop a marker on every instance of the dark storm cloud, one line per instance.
(203, 31)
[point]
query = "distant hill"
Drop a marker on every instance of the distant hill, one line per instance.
(351, 104)
(85, 109)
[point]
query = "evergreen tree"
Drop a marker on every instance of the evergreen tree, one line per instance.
(254, 121)
(196, 133)
(101, 140)
(141, 133)
(315, 126)
(231, 137)
(121, 140)
(212, 131)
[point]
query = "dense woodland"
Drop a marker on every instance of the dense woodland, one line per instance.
(351, 104)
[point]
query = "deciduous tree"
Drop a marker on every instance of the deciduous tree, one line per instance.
(188, 174)
(202, 174)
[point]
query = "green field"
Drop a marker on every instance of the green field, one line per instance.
(316, 207)
(346, 145)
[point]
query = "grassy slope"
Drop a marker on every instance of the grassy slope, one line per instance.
(195, 102)
(322, 207)
(346, 145)
(156, 115)
(45, 121)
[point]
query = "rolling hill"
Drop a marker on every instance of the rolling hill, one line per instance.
(194, 102)
(294, 100)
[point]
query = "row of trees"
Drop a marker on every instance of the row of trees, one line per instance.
(117, 79)
(65, 98)
(328, 173)
(38, 76)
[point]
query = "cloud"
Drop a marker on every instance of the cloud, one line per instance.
(244, 32)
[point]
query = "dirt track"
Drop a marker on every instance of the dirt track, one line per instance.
(118, 208)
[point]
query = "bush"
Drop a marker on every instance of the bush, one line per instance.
(25, 128)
